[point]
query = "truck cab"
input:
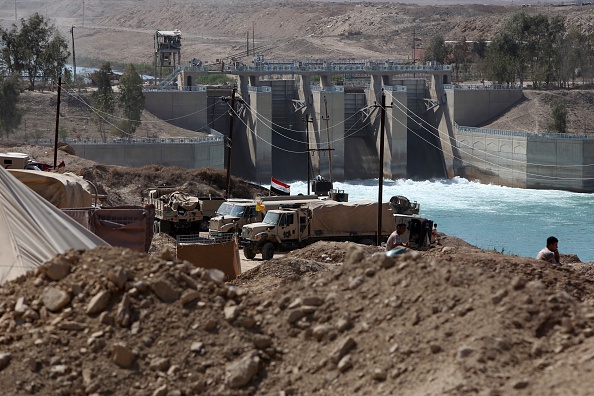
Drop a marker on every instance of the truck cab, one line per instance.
(280, 228)
(231, 216)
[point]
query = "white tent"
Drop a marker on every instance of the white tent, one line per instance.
(32, 230)
(63, 190)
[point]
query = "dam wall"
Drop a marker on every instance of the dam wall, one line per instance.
(527, 160)
(182, 152)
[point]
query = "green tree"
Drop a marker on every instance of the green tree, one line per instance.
(437, 50)
(36, 49)
(131, 99)
(10, 112)
(103, 98)
(558, 122)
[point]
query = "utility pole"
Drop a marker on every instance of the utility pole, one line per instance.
(381, 168)
(327, 118)
(83, 24)
(247, 43)
(307, 152)
(15, 11)
(57, 123)
(73, 55)
(253, 40)
(414, 45)
(230, 141)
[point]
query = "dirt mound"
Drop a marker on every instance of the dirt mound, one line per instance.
(329, 252)
(112, 321)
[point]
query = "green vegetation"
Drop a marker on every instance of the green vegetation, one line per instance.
(214, 79)
(537, 48)
(131, 101)
(10, 112)
(558, 122)
(103, 98)
(37, 50)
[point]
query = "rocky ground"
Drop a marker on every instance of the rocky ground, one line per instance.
(328, 319)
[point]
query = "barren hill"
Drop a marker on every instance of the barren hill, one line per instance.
(123, 31)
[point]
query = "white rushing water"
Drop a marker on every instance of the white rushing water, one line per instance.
(509, 220)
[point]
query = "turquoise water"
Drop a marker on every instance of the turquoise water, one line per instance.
(512, 220)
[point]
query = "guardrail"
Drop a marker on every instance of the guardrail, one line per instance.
(177, 140)
(538, 135)
(173, 88)
(481, 87)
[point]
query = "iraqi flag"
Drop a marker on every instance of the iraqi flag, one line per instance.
(279, 188)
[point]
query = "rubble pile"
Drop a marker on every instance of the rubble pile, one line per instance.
(452, 319)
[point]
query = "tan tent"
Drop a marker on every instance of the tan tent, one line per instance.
(64, 190)
(33, 231)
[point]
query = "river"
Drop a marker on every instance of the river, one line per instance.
(510, 220)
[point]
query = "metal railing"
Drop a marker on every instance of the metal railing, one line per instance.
(473, 87)
(170, 140)
(537, 135)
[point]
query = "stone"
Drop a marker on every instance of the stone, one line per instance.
(356, 282)
(497, 297)
(262, 341)
(123, 356)
(55, 299)
(20, 307)
(354, 255)
(160, 391)
(214, 275)
(160, 364)
(239, 373)
(197, 346)
(379, 374)
(189, 297)
(343, 347)
(314, 301)
(123, 315)
(295, 315)
(56, 270)
(464, 352)
(118, 277)
(99, 302)
(166, 254)
(344, 364)
(320, 331)
(5, 358)
(231, 312)
(165, 291)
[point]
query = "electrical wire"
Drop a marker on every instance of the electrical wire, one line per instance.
(483, 160)
(402, 106)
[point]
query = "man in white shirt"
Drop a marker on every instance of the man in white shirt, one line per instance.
(551, 252)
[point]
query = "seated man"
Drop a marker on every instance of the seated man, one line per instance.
(394, 239)
(551, 252)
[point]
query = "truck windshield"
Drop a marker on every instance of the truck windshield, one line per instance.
(224, 209)
(271, 218)
(237, 211)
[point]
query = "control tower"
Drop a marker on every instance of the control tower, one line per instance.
(167, 51)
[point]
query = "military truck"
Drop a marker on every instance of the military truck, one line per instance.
(233, 214)
(286, 229)
(177, 212)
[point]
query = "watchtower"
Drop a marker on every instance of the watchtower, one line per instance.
(167, 50)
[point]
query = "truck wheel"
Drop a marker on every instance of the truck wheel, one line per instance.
(156, 227)
(268, 251)
(249, 253)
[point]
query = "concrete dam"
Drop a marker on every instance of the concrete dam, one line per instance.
(289, 116)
